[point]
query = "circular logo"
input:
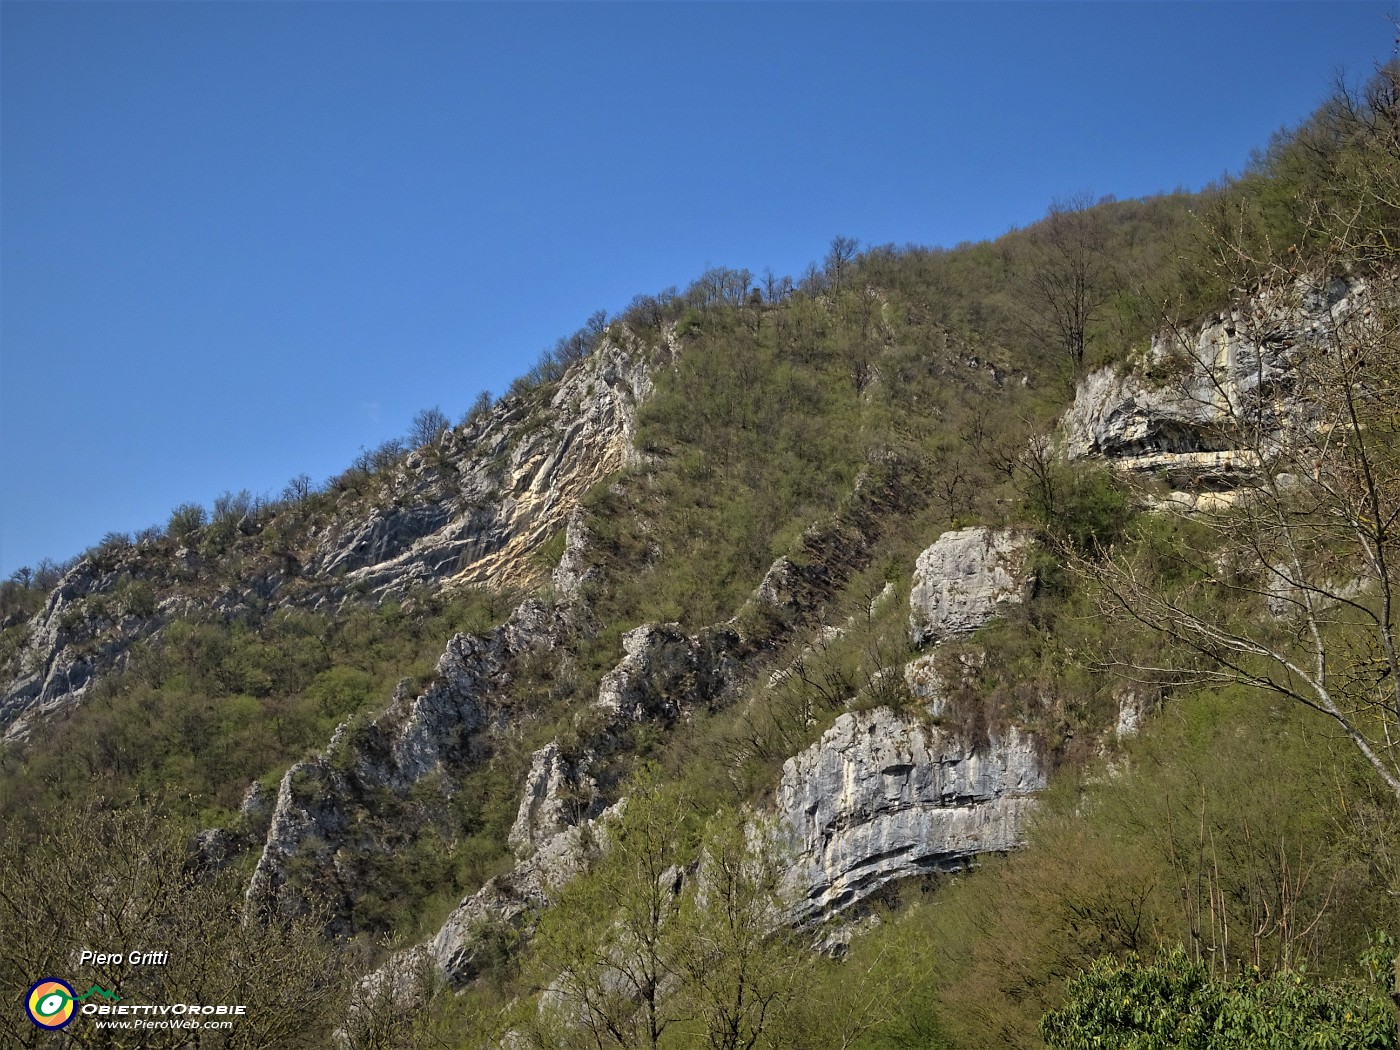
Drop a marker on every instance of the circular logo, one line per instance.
(50, 1003)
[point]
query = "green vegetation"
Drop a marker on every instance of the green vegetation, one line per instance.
(118, 881)
(1244, 843)
(208, 706)
(1177, 1005)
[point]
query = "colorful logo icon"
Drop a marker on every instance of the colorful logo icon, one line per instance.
(50, 1002)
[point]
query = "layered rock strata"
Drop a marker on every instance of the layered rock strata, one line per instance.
(966, 578)
(468, 509)
(1203, 401)
(881, 797)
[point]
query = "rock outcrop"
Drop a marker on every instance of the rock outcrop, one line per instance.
(98, 609)
(1181, 411)
(333, 805)
(964, 579)
(665, 670)
(471, 508)
(882, 796)
(562, 814)
(663, 674)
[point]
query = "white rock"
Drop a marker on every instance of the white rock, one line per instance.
(881, 797)
(965, 579)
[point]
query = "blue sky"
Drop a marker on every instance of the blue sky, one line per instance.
(243, 241)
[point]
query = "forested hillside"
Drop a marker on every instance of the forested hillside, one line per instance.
(962, 647)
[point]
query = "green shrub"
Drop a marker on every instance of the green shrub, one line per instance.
(185, 520)
(1174, 1003)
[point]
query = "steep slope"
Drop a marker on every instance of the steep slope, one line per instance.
(470, 508)
(1206, 400)
(798, 563)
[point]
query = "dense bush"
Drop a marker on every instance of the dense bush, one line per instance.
(1173, 1003)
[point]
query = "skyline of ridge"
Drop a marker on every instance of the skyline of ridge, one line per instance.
(244, 242)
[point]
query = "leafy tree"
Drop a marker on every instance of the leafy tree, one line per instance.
(185, 520)
(231, 507)
(1175, 1004)
(609, 950)
(740, 963)
(117, 881)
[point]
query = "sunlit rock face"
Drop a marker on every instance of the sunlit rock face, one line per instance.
(882, 796)
(965, 579)
(470, 508)
(473, 507)
(1199, 405)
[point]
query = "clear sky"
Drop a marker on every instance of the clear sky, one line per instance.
(239, 241)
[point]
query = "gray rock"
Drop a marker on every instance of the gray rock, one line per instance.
(965, 579)
(1175, 415)
(434, 730)
(1134, 705)
(574, 571)
(556, 792)
(881, 797)
(216, 848)
(68, 645)
(502, 488)
(470, 510)
(665, 670)
(924, 682)
(512, 901)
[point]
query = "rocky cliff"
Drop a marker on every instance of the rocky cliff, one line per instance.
(1198, 406)
(471, 508)
(467, 509)
(883, 796)
(883, 793)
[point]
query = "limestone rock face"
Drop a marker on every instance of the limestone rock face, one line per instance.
(955, 802)
(665, 670)
(552, 784)
(469, 509)
(1171, 416)
(514, 899)
(327, 805)
(91, 618)
(926, 684)
(965, 579)
(881, 797)
(574, 569)
(562, 814)
(49, 669)
(498, 490)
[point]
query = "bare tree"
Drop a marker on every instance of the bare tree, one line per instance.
(839, 257)
(776, 289)
(609, 952)
(1066, 277)
(481, 404)
(298, 489)
(596, 326)
(1296, 591)
(126, 879)
(720, 286)
(427, 427)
